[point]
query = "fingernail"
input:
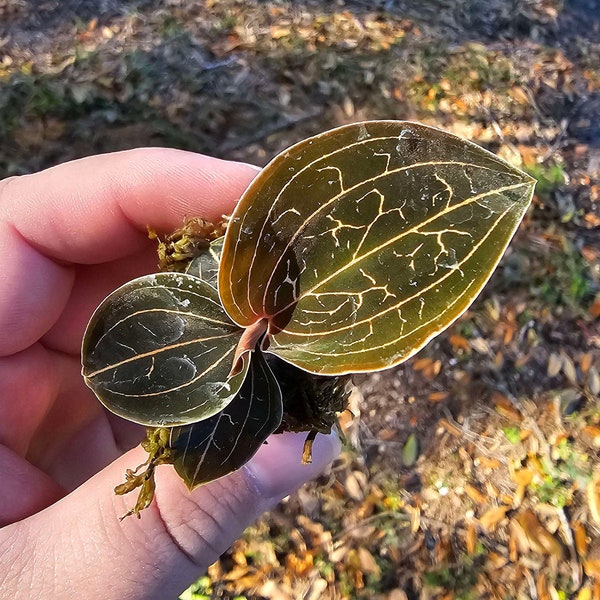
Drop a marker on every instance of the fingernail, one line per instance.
(277, 468)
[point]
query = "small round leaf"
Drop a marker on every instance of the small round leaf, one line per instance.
(223, 443)
(159, 351)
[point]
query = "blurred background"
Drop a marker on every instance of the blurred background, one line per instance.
(471, 471)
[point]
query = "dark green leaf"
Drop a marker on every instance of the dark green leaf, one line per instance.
(361, 244)
(223, 443)
(206, 265)
(410, 451)
(159, 350)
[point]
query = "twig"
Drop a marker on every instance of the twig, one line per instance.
(569, 540)
(387, 513)
(260, 135)
(531, 584)
(472, 437)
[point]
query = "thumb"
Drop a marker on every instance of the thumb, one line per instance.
(79, 547)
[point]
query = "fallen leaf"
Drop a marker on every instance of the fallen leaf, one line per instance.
(584, 594)
(471, 538)
(493, 517)
(506, 408)
(522, 477)
(592, 433)
(581, 539)
(594, 381)
(592, 568)
(517, 542)
(449, 427)
(539, 538)
(368, 564)
(480, 345)
(421, 364)
(585, 362)
(410, 451)
(487, 463)
(541, 586)
(593, 498)
(554, 364)
(299, 564)
(475, 494)
(569, 370)
(458, 342)
(355, 485)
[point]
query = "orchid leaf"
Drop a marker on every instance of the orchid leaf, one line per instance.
(206, 265)
(223, 443)
(359, 245)
(159, 351)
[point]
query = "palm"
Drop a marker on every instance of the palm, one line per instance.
(68, 237)
(65, 432)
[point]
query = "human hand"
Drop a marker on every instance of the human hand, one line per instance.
(68, 237)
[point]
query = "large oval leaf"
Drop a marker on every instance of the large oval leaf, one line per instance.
(362, 243)
(223, 443)
(159, 350)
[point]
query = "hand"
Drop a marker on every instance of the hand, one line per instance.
(68, 237)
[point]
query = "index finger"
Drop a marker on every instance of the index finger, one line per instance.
(98, 208)
(95, 210)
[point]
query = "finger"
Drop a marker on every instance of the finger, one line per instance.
(25, 490)
(92, 284)
(177, 537)
(94, 210)
(29, 382)
(98, 208)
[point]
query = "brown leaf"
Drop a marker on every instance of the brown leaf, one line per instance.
(519, 496)
(471, 538)
(592, 568)
(299, 564)
(592, 433)
(517, 542)
(585, 362)
(522, 476)
(458, 342)
(594, 381)
(539, 538)
(593, 498)
(554, 364)
(475, 494)
(449, 427)
(487, 463)
(493, 517)
(581, 539)
(506, 408)
(568, 368)
(421, 364)
(594, 309)
(541, 586)
(368, 564)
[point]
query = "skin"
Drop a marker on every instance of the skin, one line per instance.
(69, 236)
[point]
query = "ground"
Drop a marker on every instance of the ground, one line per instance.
(472, 470)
